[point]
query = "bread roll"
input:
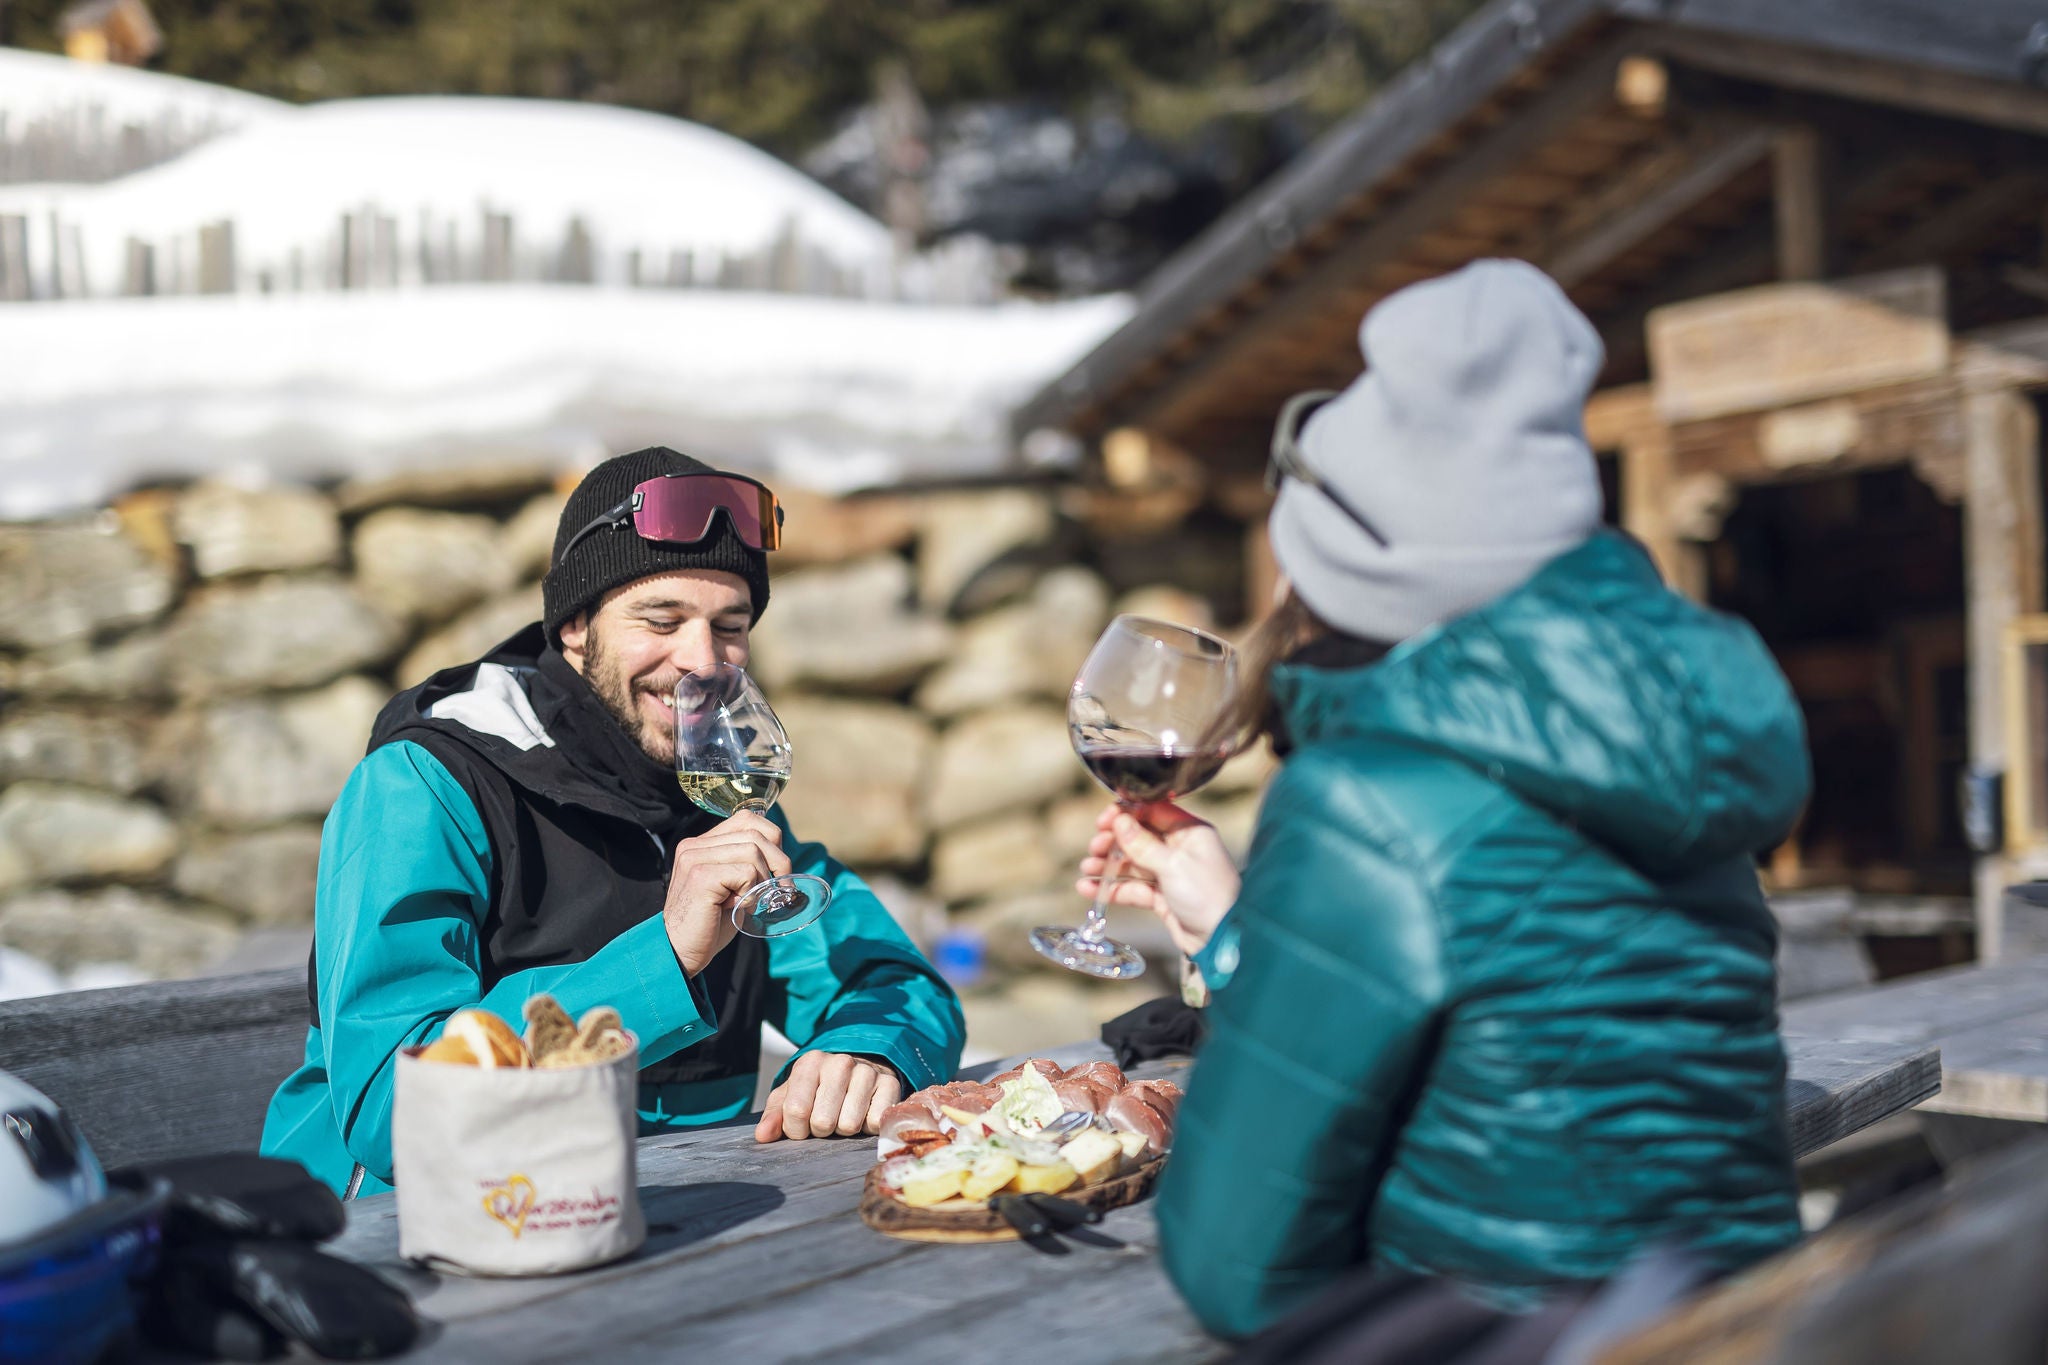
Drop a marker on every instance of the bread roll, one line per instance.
(477, 1038)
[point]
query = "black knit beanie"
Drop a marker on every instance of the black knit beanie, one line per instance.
(612, 556)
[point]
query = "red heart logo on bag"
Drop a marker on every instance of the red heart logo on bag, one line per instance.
(510, 1202)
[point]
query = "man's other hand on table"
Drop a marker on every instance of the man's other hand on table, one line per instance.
(829, 1094)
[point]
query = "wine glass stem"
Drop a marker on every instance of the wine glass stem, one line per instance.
(1097, 922)
(776, 896)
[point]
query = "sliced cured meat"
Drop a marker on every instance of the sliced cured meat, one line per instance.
(1161, 1095)
(1105, 1073)
(1130, 1113)
(911, 1115)
(970, 1096)
(1047, 1068)
(1081, 1094)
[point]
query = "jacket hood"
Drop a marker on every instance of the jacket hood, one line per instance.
(1656, 726)
(523, 708)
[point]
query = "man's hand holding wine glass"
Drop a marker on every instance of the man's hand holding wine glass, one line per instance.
(1188, 878)
(710, 873)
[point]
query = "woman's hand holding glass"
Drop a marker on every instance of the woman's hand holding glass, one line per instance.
(1188, 877)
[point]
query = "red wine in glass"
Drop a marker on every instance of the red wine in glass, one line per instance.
(1139, 774)
(1143, 715)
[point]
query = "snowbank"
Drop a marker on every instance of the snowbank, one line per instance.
(98, 395)
(434, 165)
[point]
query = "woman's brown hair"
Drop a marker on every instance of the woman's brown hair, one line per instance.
(1285, 629)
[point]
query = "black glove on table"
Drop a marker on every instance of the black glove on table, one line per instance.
(1166, 1027)
(240, 1277)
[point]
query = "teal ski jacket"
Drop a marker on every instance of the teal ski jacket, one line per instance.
(404, 885)
(1496, 1000)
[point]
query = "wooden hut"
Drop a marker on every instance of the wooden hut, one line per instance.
(119, 31)
(1814, 236)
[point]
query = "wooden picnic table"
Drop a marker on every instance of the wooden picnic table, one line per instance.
(757, 1253)
(1990, 1024)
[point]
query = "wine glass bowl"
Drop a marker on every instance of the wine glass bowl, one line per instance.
(1144, 714)
(732, 754)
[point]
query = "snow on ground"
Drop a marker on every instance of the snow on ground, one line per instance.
(435, 164)
(99, 395)
(38, 85)
(23, 977)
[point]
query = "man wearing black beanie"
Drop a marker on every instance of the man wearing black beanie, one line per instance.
(517, 828)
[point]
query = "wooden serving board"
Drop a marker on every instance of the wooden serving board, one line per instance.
(885, 1213)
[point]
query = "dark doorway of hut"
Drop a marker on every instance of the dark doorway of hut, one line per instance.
(1855, 580)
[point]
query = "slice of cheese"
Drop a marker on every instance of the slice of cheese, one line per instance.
(1094, 1155)
(1043, 1179)
(922, 1190)
(989, 1174)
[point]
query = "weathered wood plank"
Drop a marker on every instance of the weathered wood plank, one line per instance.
(1776, 345)
(1833, 1089)
(164, 1069)
(1998, 1070)
(1953, 1274)
(757, 1250)
(884, 1292)
(1926, 1007)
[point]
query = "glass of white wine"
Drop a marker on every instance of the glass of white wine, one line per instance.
(732, 754)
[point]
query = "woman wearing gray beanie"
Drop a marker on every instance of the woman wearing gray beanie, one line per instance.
(1494, 999)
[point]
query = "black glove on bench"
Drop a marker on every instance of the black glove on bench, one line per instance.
(240, 1277)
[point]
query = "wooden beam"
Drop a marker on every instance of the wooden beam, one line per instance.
(1660, 188)
(1647, 511)
(2003, 572)
(1961, 223)
(1745, 256)
(2012, 355)
(1583, 89)
(1616, 416)
(1799, 202)
(1902, 83)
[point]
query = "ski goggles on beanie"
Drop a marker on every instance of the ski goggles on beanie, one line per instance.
(680, 508)
(1286, 461)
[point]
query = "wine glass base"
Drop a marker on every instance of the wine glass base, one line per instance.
(781, 905)
(1103, 957)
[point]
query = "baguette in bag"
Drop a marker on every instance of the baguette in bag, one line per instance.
(507, 1167)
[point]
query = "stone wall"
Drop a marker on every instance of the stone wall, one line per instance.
(187, 678)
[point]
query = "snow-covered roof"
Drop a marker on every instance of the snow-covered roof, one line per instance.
(435, 164)
(100, 395)
(36, 85)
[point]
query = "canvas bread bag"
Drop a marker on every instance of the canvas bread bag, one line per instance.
(508, 1171)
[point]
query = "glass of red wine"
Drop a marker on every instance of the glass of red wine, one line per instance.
(1144, 714)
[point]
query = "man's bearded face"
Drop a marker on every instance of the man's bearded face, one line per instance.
(645, 636)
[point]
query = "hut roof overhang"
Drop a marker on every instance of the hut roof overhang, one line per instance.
(1642, 151)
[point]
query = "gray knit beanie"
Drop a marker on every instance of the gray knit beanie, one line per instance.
(1464, 445)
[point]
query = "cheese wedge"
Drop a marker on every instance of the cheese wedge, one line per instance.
(1133, 1144)
(1094, 1155)
(1044, 1179)
(989, 1174)
(922, 1191)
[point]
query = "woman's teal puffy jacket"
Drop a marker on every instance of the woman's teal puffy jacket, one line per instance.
(1497, 1000)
